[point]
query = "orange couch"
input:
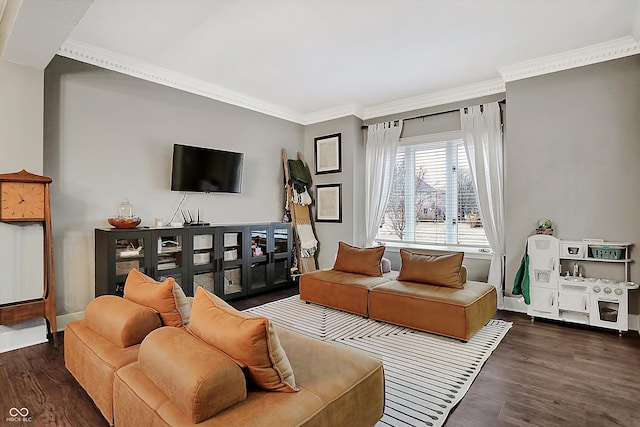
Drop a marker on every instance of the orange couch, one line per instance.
(456, 313)
(139, 373)
(107, 339)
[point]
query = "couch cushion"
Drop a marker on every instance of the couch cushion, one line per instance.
(143, 290)
(203, 383)
(139, 402)
(92, 360)
(440, 270)
(337, 289)
(251, 341)
(349, 381)
(352, 259)
(457, 313)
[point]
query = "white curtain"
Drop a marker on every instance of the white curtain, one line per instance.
(380, 159)
(483, 143)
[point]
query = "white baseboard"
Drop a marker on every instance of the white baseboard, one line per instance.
(514, 304)
(31, 332)
(64, 319)
(23, 334)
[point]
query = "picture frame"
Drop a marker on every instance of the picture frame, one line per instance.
(328, 153)
(329, 203)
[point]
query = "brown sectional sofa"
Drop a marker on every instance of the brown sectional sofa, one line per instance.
(139, 373)
(456, 313)
(342, 290)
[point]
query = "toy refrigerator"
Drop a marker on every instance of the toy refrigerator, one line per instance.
(544, 266)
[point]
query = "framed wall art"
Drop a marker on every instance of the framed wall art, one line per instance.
(329, 203)
(328, 153)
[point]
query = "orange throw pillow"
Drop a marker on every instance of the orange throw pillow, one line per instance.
(143, 290)
(352, 259)
(441, 270)
(251, 341)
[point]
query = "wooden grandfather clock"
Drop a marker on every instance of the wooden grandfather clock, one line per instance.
(24, 198)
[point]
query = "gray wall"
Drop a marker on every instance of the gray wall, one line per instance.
(21, 267)
(351, 230)
(21, 91)
(572, 155)
(108, 136)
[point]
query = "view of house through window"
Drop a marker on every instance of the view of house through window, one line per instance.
(432, 197)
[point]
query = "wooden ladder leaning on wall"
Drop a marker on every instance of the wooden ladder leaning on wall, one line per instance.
(300, 215)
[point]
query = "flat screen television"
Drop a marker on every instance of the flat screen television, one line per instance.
(206, 170)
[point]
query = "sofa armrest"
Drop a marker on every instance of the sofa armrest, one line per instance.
(198, 378)
(121, 321)
(463, 274)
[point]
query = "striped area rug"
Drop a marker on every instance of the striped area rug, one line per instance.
(426, 375)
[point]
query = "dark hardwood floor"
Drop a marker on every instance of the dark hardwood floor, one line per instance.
(542, 374)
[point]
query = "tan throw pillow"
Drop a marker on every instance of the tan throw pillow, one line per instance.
(251, 341)
(352, 259)
(143, 290)
(441, 270)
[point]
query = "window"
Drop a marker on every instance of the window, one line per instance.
(432, 199)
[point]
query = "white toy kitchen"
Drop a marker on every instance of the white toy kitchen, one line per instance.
(563, 286)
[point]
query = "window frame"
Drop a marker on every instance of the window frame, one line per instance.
(442, 138)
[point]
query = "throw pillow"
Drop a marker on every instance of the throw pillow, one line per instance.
(143, 290)
(441, 270)
(385, 264)
(184, 303)
(251, 341)
(352, 259)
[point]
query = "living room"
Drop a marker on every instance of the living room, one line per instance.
(571, 153)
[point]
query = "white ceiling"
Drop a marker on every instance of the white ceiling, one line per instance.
(300, 59)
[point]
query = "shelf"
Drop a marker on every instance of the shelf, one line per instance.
(215, 257)
(598, 259)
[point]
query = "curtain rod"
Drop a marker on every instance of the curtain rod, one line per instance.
(503, 101)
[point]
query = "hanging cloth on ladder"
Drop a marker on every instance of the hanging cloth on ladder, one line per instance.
(300, 175)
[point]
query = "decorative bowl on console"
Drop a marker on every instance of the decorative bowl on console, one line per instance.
(125, 222)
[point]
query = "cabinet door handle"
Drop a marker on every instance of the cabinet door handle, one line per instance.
(552, 300)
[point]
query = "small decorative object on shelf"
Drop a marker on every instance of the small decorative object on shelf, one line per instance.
(544, 227)
(125, 218)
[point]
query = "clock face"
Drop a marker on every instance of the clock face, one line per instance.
(21, 201)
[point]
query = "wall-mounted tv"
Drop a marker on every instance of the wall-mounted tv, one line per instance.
(206, 170)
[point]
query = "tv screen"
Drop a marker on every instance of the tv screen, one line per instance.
(206, 170)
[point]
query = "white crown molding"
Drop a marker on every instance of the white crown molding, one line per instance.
(607, 51)
(112, 61)
(601, 52)
(334, 113)
(475, 90)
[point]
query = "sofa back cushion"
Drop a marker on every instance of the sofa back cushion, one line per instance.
(121, 321)
(351, 259)
(440, 270)
(143, 290)
(198, 378)
(251, 341)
